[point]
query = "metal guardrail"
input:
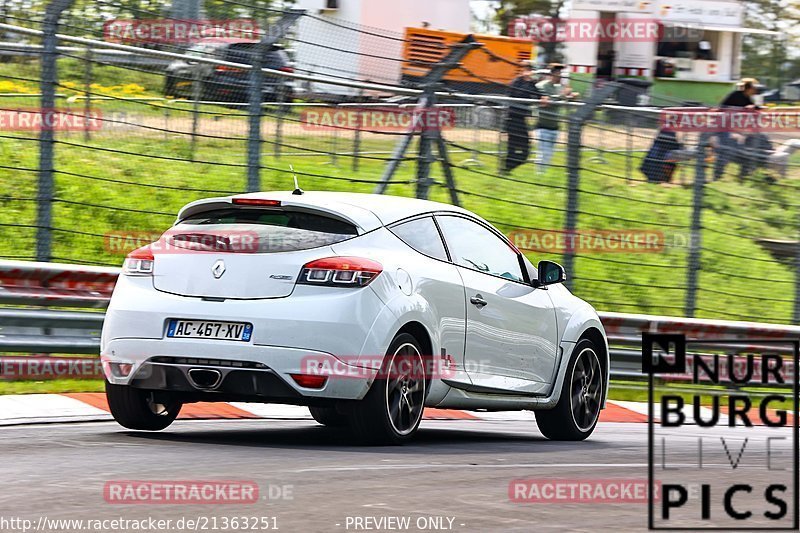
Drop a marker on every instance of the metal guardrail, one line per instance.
(111, 57)
(46, 331)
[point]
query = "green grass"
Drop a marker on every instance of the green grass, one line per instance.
(636, 391)
(56, 386)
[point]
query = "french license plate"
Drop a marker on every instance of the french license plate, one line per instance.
(203, 329)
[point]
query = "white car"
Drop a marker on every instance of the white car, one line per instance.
(365, 308)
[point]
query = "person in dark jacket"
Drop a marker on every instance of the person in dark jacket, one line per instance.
(516, 125)
(727, 147)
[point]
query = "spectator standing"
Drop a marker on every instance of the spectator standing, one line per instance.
(516, 125)
(727, 146)
(549, 122)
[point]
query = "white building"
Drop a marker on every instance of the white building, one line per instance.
(362, 39)
(679, 66)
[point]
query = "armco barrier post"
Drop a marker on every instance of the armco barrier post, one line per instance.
(695, 243)
(46, 186)
(276, 32)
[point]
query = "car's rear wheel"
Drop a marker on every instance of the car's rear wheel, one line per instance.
(391, 411)
(139, 409)
(328, 416)
(576, 414)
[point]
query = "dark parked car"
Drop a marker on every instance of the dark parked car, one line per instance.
(220, 83)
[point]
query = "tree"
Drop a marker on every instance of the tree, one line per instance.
(508, 10)
(769, 57)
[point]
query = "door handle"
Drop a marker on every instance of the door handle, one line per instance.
(478, 301)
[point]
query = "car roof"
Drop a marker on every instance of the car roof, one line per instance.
(367, 211)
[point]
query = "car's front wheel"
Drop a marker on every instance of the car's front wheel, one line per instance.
(576, 414)
(391, 411)
(139, 409)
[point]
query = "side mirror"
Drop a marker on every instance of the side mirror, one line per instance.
(550, 273)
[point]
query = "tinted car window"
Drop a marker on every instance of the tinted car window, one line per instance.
(269, 231)
(421, 234)
(246, 53)
(473, 246)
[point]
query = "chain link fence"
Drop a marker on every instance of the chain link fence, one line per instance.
(696, 224)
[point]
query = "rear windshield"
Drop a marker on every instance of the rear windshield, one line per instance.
(258, 230)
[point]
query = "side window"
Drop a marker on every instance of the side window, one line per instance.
(475, 247)
(423, 236)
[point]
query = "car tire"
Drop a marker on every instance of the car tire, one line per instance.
(578, 409)
(136, 409)
(328, 416)
(391, 411)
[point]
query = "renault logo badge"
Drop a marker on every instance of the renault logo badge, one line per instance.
(218, 269)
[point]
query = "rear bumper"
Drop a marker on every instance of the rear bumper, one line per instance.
(312, 328)
(247, 372)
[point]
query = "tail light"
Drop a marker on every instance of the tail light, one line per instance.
(115, 369)
(290, 70)
(340, 272)
(139, 262)
(309, 381)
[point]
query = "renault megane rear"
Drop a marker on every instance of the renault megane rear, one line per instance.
(364, 308)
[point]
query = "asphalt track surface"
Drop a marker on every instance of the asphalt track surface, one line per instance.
(457, 469)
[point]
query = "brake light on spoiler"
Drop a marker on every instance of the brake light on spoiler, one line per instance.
(340, 272)
(259, 202)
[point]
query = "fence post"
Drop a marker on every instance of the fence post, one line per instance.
(574, 148)
(695, 242)
(46, 185)
(281, 113)
(197, 94)
(275, 33)
(357, 134)
(501, 121)
(574, 135)
(87, 87)
(254, 119)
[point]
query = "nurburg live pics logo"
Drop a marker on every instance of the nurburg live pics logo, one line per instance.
(722, 445)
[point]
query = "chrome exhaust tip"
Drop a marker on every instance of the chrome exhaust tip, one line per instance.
(205, 378)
